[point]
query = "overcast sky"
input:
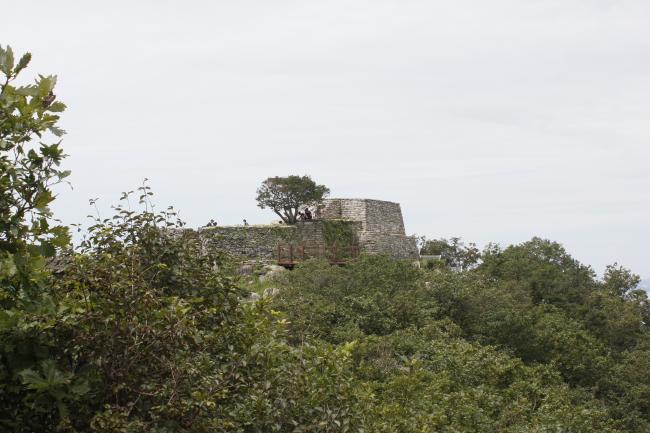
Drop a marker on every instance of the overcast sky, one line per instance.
(491, 120)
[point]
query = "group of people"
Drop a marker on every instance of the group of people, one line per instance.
(305, 215)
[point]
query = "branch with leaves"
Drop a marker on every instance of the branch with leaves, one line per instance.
(286, 195)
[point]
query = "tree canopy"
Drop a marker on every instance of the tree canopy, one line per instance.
(287, 195)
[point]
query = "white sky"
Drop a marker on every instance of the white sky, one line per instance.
(492, 120)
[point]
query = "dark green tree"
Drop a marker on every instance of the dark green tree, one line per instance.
(286, 195)
(544, 267)
(620, 281)
(453, 252)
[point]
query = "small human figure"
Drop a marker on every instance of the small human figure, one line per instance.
(301, 216)
(308, 214)
(245, 222)
(212, 223)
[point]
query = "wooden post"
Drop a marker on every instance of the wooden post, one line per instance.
(291, 253)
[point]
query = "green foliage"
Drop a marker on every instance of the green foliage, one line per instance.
(620, 281)
(480, 350)
(373, 295)
(147, 333)
(431, 380)
(545, 268)
(28, 170)
(453, 253)
(140, 329)
(338, 232)
(286, 195)
(627, 389)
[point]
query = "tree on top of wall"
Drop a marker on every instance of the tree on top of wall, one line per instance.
(287, 195)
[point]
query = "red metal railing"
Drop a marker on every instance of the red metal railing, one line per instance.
(291, 254)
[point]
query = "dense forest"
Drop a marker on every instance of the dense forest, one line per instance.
(139, 329)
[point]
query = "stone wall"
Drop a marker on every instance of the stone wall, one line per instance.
(384, 217)
(261, 241)
(397, 246)
(382, 225)
(352, 209)
(249, 241)
(377, 225)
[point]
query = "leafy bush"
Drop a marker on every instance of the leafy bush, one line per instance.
(140, 329)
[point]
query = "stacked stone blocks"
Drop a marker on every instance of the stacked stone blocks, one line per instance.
(382, 225)
(377, 225)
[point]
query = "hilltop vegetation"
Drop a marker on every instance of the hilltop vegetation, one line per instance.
(139, 329)
(528, 341)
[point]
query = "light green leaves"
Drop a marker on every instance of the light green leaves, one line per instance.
(57, 107)
(28, 90)
(7, 265)
(23, 62)
(6, 60)
(46, 83)
(29, 167)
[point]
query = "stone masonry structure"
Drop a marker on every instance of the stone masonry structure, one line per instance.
(382, 226)
(261, 241)
(377, 226)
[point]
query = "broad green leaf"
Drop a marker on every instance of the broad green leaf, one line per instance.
(23, 62)
(57, 107)
(57, 131)
(29, 90)
(7, 61)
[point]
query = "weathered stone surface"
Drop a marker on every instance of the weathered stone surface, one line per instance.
(245, 269)
(247, 241)
(271, 271)
(382, 226)
(273, 268)
(260, 242)
(377, 225)
(253, 297)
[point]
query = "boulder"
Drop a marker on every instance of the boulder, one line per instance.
(245, 269)
(253, 297)
(271, 271)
